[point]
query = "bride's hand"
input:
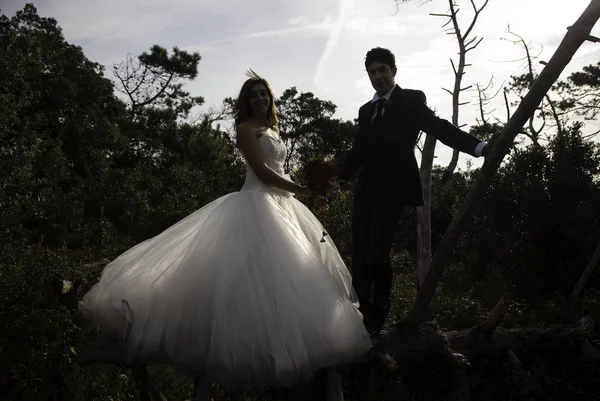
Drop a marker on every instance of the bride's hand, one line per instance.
(305, 191)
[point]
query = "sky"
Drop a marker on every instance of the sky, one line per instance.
(319, 45)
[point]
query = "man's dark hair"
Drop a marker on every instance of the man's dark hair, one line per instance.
(382, 55)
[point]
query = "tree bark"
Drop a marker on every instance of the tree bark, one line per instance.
(451, 167)
(414, 344)
(575, 37)
(424, 246)
(585, 276)
(334, 385)
(424, 212)
(424, 345)
(464, 46)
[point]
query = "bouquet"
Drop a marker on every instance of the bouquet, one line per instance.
(318, 175)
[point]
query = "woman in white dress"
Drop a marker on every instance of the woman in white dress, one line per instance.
(242, 291)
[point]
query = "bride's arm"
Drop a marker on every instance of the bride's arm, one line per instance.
(247, 141)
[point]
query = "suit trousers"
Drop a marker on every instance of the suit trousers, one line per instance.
(375, 220)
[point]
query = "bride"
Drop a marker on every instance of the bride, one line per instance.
(242, 290)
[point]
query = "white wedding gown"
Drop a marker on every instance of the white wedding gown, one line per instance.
(242, 290)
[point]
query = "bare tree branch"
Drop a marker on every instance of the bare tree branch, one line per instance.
(474, 20)
(465, 44)
(468, 49)
(507, 104)
(424, 214)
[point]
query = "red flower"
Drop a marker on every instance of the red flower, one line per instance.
(317, 175)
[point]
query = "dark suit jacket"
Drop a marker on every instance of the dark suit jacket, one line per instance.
(383, 153)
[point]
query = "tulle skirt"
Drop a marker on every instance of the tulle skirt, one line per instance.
(246, 290)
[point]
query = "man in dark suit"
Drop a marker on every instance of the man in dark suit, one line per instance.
(388, 178)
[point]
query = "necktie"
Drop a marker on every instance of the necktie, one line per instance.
(378, 110)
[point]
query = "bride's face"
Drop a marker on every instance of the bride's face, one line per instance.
(259, 99)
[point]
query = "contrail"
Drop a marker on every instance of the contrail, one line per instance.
(346, 8)
(306, 29)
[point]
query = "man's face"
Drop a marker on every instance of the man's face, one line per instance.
(381, 76)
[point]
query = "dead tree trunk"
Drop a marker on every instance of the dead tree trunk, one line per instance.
(424, 212)
(587, 273)
(465, 44)
(575, 37)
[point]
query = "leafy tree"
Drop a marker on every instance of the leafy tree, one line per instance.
(59, 127)
(307, 127)
(58, 130)
(156, 79)
(539, 219)
(180, 167)
(580, 94)
(82, 181)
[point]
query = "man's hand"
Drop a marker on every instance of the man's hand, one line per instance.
(486, 150)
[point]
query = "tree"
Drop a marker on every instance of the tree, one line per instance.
(81, 182)
(548, 112)
(58, 129)
(577, 34)
(580, 94)
(465, 45)
(303, 120)
(156, 79)
(537, 221)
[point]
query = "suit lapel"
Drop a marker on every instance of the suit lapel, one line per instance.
(393, 106)
(367, 114)
(396, 96)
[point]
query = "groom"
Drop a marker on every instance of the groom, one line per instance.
(388, 179)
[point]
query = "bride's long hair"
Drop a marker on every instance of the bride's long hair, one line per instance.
(242, 109)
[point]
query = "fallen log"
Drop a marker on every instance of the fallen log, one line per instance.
(413, 343)
(453, 350)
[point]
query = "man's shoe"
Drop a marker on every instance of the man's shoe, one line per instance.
(374, 332)
(376, 321)
(373, 328)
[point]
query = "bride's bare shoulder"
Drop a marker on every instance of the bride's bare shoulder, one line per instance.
(249, 129)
